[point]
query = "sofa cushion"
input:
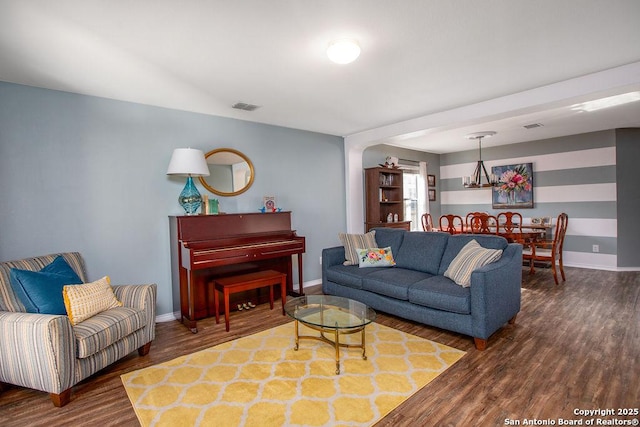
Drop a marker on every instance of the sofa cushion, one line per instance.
(392, 282)
(41, 291)
(352, 242)
(471, 257)
(421, 251)
(89, 299)
(106, 328)
(441, 293)
(349, 275)
(375, 257)
(458, 241)
(389, 237)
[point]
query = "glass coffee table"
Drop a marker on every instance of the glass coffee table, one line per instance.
(331, 315)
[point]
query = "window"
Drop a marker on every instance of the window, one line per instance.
(416, 203)
(410, 182)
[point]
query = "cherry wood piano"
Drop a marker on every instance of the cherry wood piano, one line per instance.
(206, 247)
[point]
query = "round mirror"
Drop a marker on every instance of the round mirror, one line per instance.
(230, 172)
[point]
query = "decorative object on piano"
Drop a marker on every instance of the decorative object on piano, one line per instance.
(213, 207)
(188, 162)
(231, 172)
(209, 206)
(269, 204)
(545, 220)
(515, 186)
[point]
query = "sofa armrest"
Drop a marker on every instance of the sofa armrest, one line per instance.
(496, 292)
(142, 297)
(332, 256)
(37, 351)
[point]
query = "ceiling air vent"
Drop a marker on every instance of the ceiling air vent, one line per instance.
(533, 126)
(244, 106)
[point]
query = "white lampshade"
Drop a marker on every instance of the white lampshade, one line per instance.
(188, 161)
(343, 51)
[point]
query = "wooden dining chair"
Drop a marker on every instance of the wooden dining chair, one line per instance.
(548, 250)
(510, 224)
(482, 223)
(448, 224)
(467, 219)
(427, 222)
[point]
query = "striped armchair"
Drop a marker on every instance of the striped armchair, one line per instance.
(45, 352)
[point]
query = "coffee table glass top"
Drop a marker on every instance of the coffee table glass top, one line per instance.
(330, 311)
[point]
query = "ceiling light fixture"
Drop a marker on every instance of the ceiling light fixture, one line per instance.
(611, 101)
(475, 181)
(343, 51)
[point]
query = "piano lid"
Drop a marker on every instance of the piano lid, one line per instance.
(210, 227)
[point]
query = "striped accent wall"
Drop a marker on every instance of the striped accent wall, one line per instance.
(574, 174)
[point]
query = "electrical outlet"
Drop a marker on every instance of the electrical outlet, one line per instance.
(320, 259)
(596, 248)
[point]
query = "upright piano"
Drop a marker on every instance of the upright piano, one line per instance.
(204, 247)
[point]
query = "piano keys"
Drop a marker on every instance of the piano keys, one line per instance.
(204, 247)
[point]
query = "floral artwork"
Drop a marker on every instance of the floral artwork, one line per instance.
(515, 186)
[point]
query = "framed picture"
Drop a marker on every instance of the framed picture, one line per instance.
(432, 195)
(431, 180)
(546, 220)
(514, 188)
(536, 221)
(269, 203)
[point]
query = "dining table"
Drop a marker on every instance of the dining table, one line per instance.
(528, 233)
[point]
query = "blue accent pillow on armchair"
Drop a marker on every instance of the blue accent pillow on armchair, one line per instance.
(41, 291)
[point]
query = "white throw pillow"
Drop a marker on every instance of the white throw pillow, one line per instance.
(471, 257)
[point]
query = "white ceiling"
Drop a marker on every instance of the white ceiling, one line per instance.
(430, 71)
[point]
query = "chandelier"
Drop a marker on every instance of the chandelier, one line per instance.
(475, 180)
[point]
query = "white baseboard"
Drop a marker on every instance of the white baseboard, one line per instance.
(167, 317)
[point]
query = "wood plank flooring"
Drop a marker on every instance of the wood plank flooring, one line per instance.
(574, 346)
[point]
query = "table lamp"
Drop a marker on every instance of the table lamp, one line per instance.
(188, 162)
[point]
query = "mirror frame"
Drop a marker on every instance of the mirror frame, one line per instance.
(206, 185)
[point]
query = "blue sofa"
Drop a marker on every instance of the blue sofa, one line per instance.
(416, 288)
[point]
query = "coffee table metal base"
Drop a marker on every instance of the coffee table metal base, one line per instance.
(335, 342)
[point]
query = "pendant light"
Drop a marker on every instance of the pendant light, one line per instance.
(475, 180)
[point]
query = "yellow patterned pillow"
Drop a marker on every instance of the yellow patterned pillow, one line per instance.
(87, 300)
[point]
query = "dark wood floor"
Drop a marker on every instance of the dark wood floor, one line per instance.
(574, 346)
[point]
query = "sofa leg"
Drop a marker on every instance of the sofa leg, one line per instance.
(59, 400)
(480, 343)
(144, 350)
(513, 320)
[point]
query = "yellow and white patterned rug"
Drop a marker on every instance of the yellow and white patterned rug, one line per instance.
(260, 380)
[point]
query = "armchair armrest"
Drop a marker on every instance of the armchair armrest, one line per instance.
(142, 297)
(37, 351)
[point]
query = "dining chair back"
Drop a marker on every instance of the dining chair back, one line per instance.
(427, 222)
(510, 222)
(482, 223)
(451, 224)
(551, 250)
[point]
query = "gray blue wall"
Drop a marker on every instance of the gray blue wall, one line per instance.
(80, 173)
(628, 159)
(580, 175)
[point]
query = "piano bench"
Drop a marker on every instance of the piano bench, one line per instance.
(246, 282)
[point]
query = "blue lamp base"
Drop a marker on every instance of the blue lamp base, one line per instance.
(190, 198)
